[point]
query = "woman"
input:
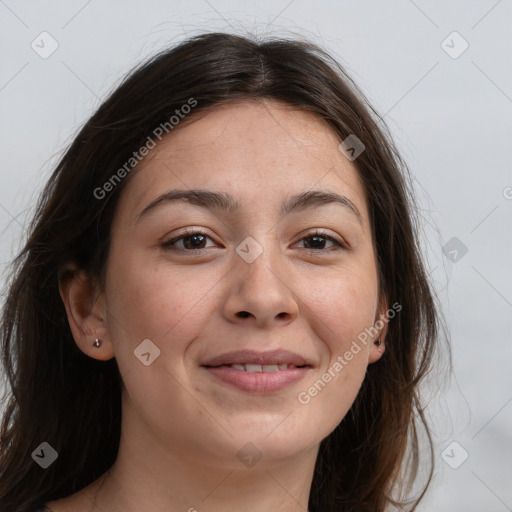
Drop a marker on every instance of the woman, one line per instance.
(221, 304)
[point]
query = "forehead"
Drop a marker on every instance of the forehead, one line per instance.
(254, 150)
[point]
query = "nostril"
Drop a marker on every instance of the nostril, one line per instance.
(243, 314)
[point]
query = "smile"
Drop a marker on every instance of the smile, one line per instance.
(265, 368)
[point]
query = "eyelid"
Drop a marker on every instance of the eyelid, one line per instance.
(340, 243)
(184, 234)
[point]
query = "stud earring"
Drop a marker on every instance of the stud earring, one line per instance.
(97, 342)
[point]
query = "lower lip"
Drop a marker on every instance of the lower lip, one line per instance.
(257, 382)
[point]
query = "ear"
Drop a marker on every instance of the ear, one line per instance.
(86, 312)
(380, 329)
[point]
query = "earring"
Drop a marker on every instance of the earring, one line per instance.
(97, 342)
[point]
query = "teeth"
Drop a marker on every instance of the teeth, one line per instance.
(253, 368)
(258, 368)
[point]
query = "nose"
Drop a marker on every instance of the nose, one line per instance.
(261, 293)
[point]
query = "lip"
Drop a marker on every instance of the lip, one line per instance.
(258, 382)
(279, 356)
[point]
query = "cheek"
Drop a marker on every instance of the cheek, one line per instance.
(342, 306)
(150, 300)
(331, 391)
(340, 311)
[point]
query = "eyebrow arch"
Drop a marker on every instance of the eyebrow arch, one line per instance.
(227, 203)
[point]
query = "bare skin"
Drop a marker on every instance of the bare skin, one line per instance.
(183, 429)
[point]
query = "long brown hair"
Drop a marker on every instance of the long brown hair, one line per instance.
(372, 458)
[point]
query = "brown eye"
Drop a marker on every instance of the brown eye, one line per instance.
(317, 242)
(193, 241)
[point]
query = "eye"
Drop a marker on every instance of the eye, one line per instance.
(193, 241)
(316, 241)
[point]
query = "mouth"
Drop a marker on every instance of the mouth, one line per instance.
(258, 372)
(259, 368)
(251, 358)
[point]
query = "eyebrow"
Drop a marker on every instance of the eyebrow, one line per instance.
(225, 202)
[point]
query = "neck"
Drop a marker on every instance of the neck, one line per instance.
(181, 486)
(147, 476)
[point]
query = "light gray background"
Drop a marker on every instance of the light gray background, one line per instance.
(452, 120)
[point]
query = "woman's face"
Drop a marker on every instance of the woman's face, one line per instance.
(256, 278)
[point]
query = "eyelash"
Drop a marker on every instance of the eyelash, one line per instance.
(168, 245)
